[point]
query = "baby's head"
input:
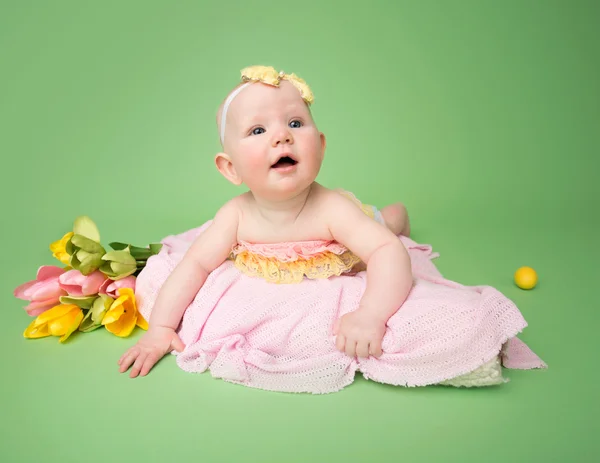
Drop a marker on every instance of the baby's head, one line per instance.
(270, 140)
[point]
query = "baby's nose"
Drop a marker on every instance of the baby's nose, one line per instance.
(283, 136)
(284, 140)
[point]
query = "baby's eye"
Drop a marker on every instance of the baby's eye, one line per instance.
(295, 124)
(257, 131)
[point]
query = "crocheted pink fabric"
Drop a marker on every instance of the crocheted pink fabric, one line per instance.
(279, 337)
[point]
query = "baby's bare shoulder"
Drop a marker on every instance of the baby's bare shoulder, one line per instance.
(245, 206)
(328, 198)
(236, 205)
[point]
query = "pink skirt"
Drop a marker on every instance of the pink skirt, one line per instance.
(279, 337)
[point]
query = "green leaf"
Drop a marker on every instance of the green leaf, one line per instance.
(85, 302)
(90, 264)
(74, 261)
(137, 248)
(135, 251)
(82, 255)
(87, 324)
(120, 276)
(85, 226)
(101, 306)
(121, 257)
(155, 247)
(69, 247)
(116, 270)
(141, 255)
(119, 268)
(86, 244)
(107, 269)
(118, 246)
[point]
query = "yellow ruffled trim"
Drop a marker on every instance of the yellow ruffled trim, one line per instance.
(322, 265)
(268, 75)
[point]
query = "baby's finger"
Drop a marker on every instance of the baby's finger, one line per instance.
(127, 353)
(137, 366)
(128, 359)
(351, 348)
(149, 363)
(362, 349)
(177, 343)
(375, 349)
(340, 343)
(336, 326)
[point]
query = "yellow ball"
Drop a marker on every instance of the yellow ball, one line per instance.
(526, 278)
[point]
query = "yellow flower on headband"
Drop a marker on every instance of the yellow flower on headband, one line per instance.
(268, 75)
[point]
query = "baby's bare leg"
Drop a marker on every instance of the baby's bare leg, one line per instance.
(396, 219)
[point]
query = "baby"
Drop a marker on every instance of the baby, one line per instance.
(294, 287)
(272, 145)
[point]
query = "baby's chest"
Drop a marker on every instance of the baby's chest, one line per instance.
(255, 230)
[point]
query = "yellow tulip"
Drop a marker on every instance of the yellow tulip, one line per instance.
(123, 316)
(60, 320)
(58, 249)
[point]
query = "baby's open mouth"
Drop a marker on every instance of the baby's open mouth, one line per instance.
(285, 161)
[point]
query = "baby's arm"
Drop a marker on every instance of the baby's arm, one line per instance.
(209, 251)
(389, 276)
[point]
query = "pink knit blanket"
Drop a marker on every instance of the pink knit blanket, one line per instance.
(279, 337)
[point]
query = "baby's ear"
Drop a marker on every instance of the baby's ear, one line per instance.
(323, 145)
(227, 169)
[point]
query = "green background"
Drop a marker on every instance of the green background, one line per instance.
(481, 116)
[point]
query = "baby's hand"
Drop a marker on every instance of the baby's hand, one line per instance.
(152, 346)
(359, 334)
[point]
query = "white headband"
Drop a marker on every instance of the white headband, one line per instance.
(226, 106)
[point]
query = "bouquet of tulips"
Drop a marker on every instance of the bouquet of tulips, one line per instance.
(96, 288)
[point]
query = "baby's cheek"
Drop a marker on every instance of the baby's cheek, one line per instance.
(257, 159)
(249, 156)
(255, 163)
(253, 168)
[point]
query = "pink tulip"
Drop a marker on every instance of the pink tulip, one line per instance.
(76, 284)
(110, 287)
(43, 292)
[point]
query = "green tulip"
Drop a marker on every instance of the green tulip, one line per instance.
(93, 319)
(86, 254)
(118, 264)
(85, 226)
(84, 248)
(83, 302)
(141, 255)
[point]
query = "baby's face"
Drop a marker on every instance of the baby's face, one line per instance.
(273, 141)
